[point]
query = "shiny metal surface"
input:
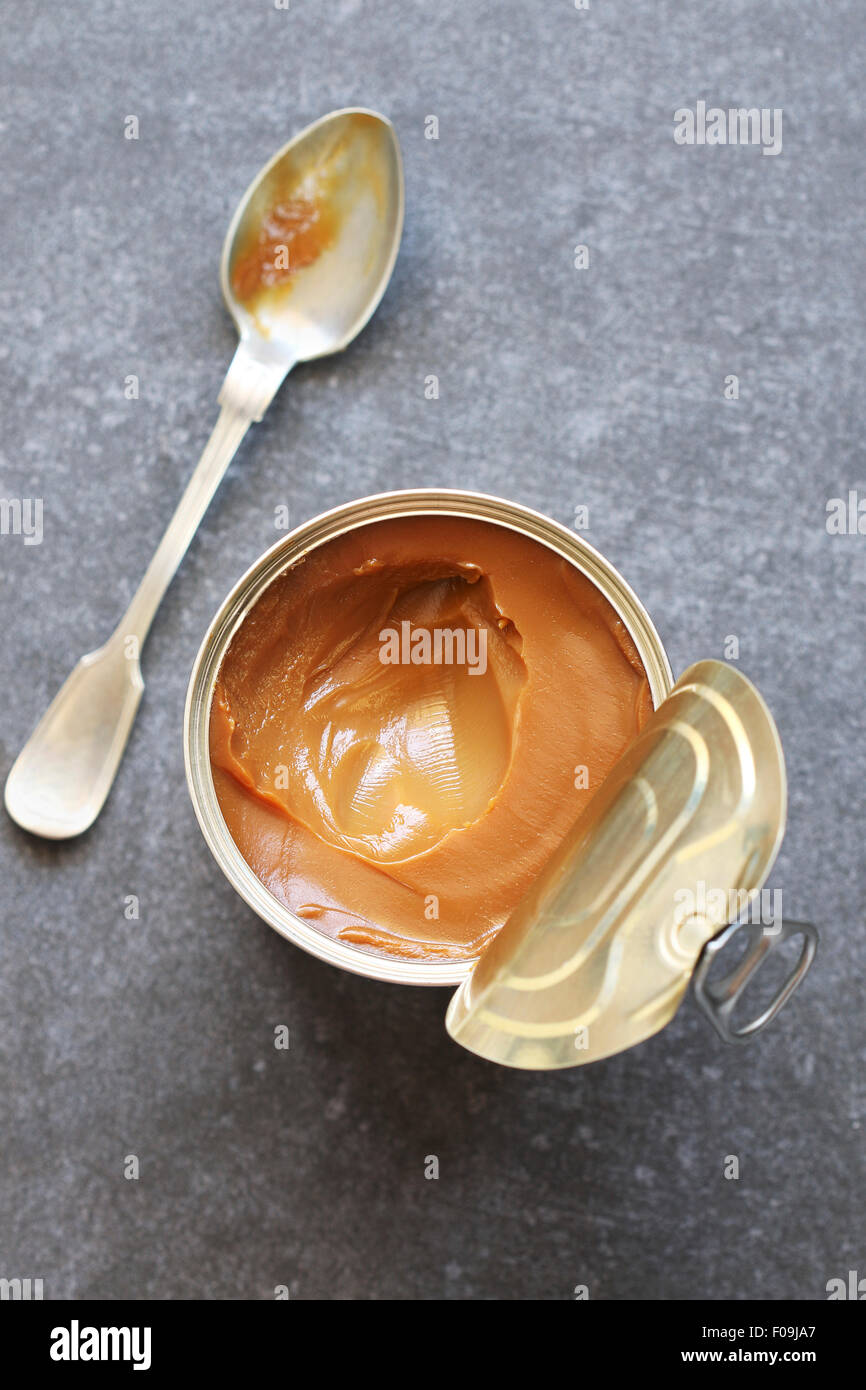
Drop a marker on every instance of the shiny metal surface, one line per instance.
(60, 780)
(680, 837)
(719, 997)
(246, 593)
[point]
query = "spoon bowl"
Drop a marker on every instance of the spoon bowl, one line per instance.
(332, 200)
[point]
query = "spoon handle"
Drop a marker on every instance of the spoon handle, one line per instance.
(63, 774)
(249, 387)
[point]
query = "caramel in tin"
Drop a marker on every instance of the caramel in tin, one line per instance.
(410, 720)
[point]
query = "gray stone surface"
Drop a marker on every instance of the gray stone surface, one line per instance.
(558, 387)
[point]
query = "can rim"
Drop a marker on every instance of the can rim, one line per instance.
(243, 595)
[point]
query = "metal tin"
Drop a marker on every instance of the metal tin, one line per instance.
(247, 592)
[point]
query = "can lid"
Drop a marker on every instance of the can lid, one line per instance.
(676, 843)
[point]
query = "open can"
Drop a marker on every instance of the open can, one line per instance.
(641, 895)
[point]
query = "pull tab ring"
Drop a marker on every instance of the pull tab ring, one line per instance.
(718, 999)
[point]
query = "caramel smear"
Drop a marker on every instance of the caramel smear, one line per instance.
(406, 807)
(291, 235)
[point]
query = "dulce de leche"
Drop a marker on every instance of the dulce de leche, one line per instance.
(410, 720)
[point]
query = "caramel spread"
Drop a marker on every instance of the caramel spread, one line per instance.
(291, 235)
(401, 725)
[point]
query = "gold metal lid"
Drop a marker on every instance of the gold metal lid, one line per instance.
(676, 843)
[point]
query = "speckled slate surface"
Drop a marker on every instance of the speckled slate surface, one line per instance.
(558, 387)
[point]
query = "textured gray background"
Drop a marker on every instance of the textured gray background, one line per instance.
(558, 387)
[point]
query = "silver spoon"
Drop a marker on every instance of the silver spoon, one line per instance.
(332, 201)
